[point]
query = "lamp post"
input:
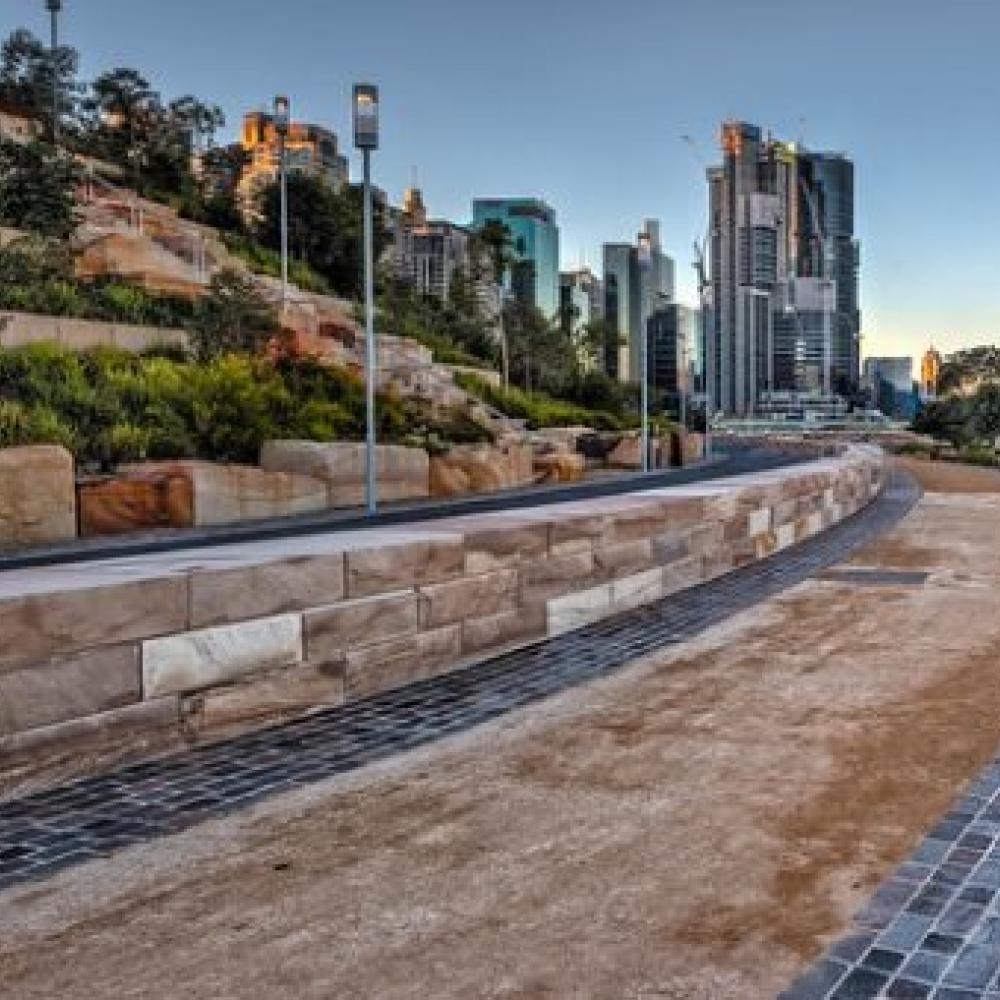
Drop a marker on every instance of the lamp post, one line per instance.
(282, 120)
(366, 139)
(645, 257)
(54, 7)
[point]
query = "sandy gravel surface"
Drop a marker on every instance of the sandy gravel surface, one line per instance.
(698, 826)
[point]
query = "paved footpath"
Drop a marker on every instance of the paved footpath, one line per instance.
(43, 833)
(699, 822)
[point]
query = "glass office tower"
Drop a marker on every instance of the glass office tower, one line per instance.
(535, 234)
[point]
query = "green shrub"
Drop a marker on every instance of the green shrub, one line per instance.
(25, 425)
(539, 410)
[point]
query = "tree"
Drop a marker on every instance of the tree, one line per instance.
(495, 238)
(37, 189)
(26, 67)
(325, 228)
(196, 119)
(234, 318)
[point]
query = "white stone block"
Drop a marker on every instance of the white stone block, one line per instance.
(785, 535)
(640, 588)
(573, 610)
(814, 523)
(194, 660)
(759, 522)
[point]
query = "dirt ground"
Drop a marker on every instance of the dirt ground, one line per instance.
(698, 826)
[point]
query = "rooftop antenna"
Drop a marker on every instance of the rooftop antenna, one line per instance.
(413, 175)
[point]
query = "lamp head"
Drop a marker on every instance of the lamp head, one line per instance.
(282, 114)
(365, 116)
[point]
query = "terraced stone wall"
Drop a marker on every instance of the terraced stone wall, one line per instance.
(222, 634)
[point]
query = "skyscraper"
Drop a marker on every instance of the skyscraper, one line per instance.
(535, 234)
(638, 280)
(784, 272)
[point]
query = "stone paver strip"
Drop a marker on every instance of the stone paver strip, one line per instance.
(45, 832)
(934, 925)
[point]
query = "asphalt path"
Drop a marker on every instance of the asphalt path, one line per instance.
(735, 462)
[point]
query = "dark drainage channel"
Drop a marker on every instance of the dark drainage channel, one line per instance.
(94, 816)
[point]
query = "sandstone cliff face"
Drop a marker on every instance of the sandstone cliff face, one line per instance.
(37, 498)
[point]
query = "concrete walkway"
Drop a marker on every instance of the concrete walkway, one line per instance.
(700, 825)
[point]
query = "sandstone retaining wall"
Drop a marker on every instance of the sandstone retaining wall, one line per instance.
(22, 329)
(212, 634)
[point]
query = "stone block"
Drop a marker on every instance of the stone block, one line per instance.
(559, 467)
(480, 468)
(388, 567)
(573, 610)
(556, 575)
(637, 589)
(264, 589)
(291, 690)
(330, 631)
(403, 473)
(506, 543)
(37, 496)
(468, 597)
(682, 573)
(73, 687)
(759, 522)
(579, 532)
(669, 547)
(229, 494)
(641, 521)
(623, 559)
(626, 454)
(201, 659)
(38, 626)
(705, 539)
(490, 631)
(784, 536)
(137, 501)
(717, 563)
(395, 662)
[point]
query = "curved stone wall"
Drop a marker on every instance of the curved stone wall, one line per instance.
(218, 634)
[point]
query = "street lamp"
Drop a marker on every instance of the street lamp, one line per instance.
(366, 139)
(54, 7)
(645, 256)
(282, 120)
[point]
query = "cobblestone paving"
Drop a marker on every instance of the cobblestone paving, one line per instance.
(95, 816)
(932, 929)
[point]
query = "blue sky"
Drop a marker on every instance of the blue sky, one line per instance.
(583, 103)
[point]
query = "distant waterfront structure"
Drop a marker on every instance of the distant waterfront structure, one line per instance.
(535, 235)
(783, 272)
(636, 284)
(930, 373)
(309, 149)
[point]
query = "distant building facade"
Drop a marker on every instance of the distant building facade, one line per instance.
(17, 124)
(889, 384)
(581, 303)
(638, 280)
(428, 253)
(674, 331)
(930, 373)
(784, 272)
(535, 235)
(309, 149)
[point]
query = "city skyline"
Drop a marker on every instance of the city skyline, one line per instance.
(595, 130)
